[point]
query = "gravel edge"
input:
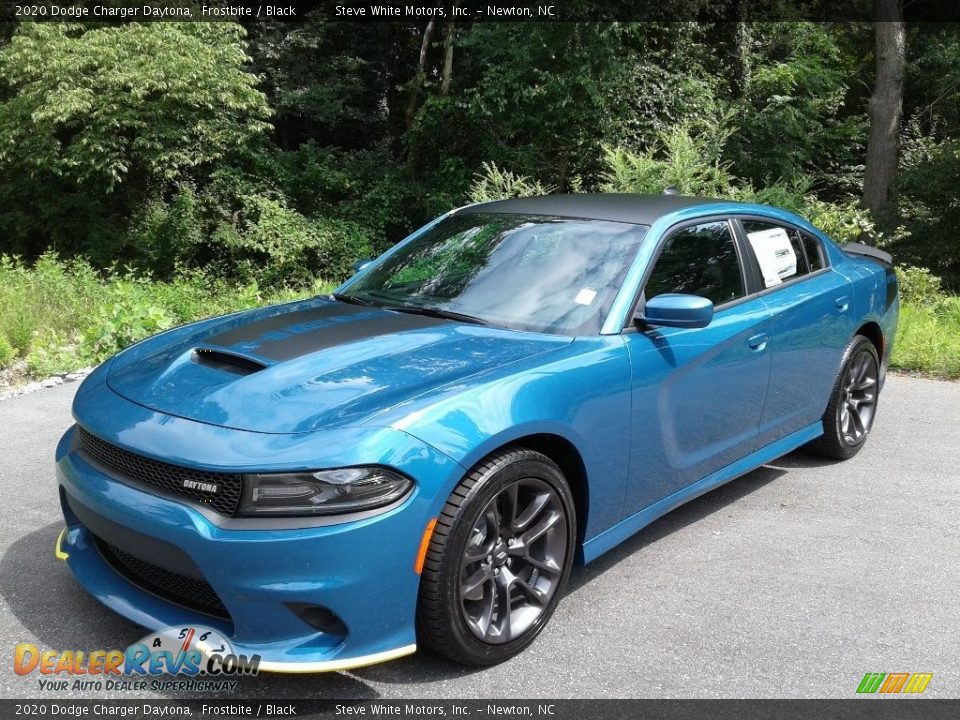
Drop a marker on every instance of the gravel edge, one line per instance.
(52, 381)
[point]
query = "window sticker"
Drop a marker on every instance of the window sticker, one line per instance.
(775, 254)
(585, 296)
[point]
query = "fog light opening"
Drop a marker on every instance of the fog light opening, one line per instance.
(319, 617)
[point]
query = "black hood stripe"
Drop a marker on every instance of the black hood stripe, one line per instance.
(284, 321)
(288, 336)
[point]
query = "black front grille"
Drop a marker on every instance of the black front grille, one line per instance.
(167, 478)
(189, 592)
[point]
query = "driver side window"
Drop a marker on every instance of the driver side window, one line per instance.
(699, 260)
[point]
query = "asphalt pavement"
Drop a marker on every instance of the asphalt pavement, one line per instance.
(792, 581)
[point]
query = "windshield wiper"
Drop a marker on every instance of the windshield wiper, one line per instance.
(348, 299)
(437, 313)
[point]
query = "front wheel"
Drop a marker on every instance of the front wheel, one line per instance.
(853, 403)
(498, 560)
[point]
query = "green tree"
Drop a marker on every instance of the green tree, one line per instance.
(926, 188)
(94, 122)
(98, 105)
(544, 98)
(796, 106)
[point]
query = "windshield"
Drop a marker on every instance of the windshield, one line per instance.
(541, 274)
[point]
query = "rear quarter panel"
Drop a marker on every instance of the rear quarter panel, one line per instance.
(876, 296)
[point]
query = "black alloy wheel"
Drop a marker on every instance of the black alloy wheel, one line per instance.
(499, 558)
(853, 403)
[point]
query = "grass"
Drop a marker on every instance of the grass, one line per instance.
(928, 338)
(62, 315)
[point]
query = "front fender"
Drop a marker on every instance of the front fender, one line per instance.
(580, 393)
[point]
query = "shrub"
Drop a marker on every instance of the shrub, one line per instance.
(496, 184)
(163, 234)
(69, 316)
(690, 160)
(51, 353)
(686, 157)
(7, 353)
(844, 221)
(44, 296)
(129, 314)
(338, 244)
(270, 242)
(919, 286)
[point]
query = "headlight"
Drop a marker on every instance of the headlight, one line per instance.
(324, 492)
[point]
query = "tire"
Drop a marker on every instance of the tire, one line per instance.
(853, 402)
(471, 571)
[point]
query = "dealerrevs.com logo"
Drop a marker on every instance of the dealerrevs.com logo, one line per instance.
(203, 657)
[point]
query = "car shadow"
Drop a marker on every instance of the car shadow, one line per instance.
(425, 667)
(676, 520)
(57, 613)
(801, 458)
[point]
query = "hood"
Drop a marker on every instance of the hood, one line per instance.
(310, 365)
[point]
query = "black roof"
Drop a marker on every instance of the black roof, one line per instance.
(638, 209)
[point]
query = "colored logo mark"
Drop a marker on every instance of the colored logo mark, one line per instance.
(893, 683)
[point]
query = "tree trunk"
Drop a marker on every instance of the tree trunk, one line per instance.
(448, 52)
(448, 56)
(744, 55)
(416, 85)
(886, 107)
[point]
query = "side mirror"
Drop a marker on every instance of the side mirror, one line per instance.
(361, 264)
(677, 310)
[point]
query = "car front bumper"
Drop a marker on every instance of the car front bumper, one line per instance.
(362, 571)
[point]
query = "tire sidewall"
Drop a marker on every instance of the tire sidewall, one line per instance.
(857, 346)
(533, 465)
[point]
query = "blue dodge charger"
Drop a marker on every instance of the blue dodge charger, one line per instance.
(419, 458)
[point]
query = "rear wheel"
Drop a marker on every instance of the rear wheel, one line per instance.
(853, 404)
(498, 560)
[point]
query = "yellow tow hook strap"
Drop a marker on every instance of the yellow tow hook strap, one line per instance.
(58, 548)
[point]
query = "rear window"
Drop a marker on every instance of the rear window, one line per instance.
(814, 250)
(782, 253)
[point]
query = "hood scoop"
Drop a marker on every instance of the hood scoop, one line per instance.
(313, 365)
(227, 360)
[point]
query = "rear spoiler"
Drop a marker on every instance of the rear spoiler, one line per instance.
(868, 251)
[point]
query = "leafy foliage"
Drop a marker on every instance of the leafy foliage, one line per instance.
(691, 161)
(96, 123)
(61, 315)
(798, 110)
(919, 286)
(276, 154)
(289, 248)
(147, 101)
(928, 338)
(496, 184)
(7, 353)
(686, 158)
(930, 206)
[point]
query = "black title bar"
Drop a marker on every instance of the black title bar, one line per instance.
(469, 10)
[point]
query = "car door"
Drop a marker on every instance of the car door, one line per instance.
(811, 309)
(697, 393)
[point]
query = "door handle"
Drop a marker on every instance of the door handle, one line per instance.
(842, 303)
(757, 342)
